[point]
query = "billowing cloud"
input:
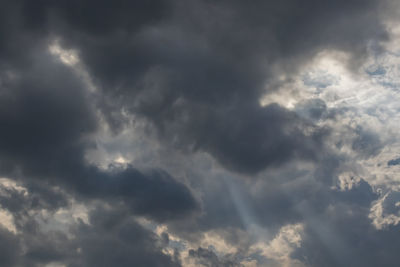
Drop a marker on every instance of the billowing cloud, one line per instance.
(199, 133)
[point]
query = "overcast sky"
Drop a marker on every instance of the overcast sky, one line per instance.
(191, 133)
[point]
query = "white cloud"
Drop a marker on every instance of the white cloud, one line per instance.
(384, 212)
(284, 243)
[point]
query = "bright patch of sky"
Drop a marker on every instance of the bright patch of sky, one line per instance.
(365, 102)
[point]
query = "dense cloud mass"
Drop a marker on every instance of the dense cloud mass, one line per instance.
(199, 133)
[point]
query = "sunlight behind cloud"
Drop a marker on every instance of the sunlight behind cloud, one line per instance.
(68, 57)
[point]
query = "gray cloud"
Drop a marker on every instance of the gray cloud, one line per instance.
(203, 66)
(205, 257)
(193, 72)
(9, 247)
(367, 144)
(393, 162)
(111, 236)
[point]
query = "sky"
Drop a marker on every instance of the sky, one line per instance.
(192, 133)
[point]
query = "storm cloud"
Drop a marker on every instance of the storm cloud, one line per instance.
(198, 133)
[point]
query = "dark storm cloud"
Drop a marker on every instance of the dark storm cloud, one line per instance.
(197, 69)
(9, 248)
(344, 235)
(44, 115)
(29, 245)
(215, 57)
(154, 194)
(206, 257)
(245, 138)
(114, 238)
(47, 118)
(340, 233)
(231, 202)
(111, 237)
(41, 196)
(44, 124)
(194, 70)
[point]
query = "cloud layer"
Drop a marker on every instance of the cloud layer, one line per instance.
(199, 133)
